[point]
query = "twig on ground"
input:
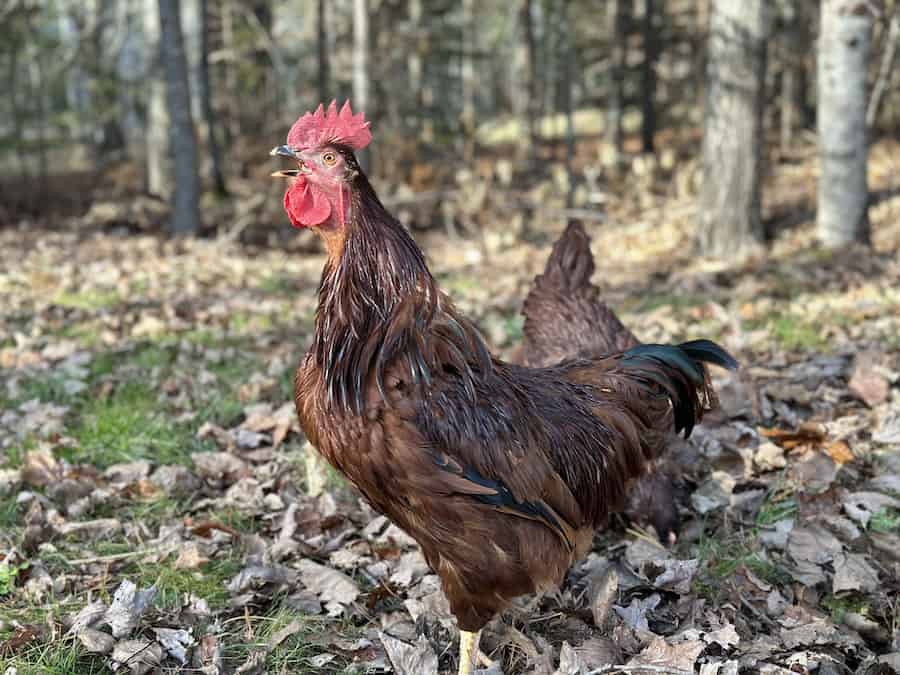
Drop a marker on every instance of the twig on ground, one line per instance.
(112, 557)
(759, 615)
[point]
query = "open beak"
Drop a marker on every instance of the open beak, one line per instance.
(286, 151)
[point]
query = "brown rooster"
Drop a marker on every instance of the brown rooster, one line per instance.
(500, 472)
(565, 318)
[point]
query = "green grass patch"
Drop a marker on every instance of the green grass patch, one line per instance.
(9, 513)
(234, 518)
(245, 322)
(885, 521)
(722, 557)
(841, 605)
(777, 505)
(652, 300)
(8, 574)
(65, 656)
(47, 387)
(278, 283)
(513, 327)
(89, 300)
(790, 332)
(293, 655)
(130, 424)
(85, 333)
(174, 585)
(460, 283)
(15, 454)
(793, 333)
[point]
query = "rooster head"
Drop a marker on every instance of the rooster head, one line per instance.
(323, 145)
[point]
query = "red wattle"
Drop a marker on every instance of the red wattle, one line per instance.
(306, 205)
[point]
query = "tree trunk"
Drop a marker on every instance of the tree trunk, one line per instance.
(617, 17)
(567, 54)
(885, 69)
(159, 163)
(322, 44)
(205, 94)
(467, 73)
(361, 67)
(192, 35)
(730, 219)
(186, 197)
(533, 101)
(843, 60)
(651, 43)
(793, 76)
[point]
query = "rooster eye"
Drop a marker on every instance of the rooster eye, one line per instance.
(329, 158)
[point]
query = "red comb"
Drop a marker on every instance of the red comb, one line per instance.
(315, 129)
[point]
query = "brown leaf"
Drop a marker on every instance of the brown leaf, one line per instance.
(807, 432)
(204, 528)
(190, 558)
(40, 469)
(681, 656)
(840, 452)
(868, 381)
(603, 590)
(22, 637)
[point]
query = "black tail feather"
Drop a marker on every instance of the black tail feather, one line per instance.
(708, 351)
(679, 370)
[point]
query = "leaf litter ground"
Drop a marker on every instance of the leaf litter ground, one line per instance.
(160, 512)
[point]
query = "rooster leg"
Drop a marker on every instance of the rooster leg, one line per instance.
(468, 651)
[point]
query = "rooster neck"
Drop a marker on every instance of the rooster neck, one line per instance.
(375, 285)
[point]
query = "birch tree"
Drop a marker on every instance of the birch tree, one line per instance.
(844, 50)
(730, 218)
(159, 168)
(361, 66)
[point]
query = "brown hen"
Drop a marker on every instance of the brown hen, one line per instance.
(566, 318)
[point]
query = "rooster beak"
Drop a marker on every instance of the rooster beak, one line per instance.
(287, 151)
(284, 151)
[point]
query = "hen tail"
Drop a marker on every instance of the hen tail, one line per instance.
(571, 264)
(564, 315)
(680, 371)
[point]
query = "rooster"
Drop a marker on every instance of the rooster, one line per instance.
(500, 472)
(565, 318)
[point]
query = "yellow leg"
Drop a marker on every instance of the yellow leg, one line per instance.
(468, 651)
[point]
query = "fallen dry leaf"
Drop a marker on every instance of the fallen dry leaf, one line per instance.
(139, 656)
(840, 452)
(853, 572)
(126, 609)
(861, 506)
(677, 657)
(635, 615)
(335, 589)
(410, 658)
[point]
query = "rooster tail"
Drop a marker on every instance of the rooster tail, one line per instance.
(571, 263)
(680, 371)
